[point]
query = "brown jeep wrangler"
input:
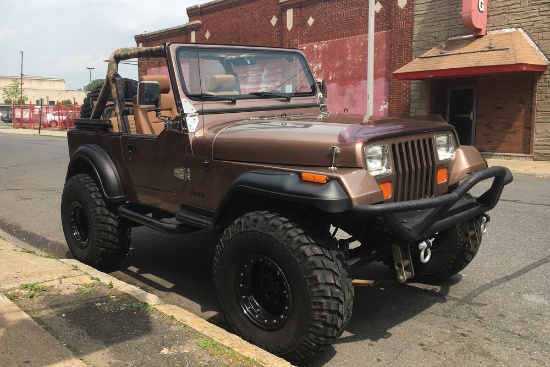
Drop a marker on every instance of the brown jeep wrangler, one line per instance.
(238, 141)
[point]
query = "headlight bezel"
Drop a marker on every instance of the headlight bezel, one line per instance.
(445, 146)
(378, 154)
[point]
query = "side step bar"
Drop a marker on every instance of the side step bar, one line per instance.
(171, 228)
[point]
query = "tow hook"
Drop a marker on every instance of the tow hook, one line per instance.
(403, 263)
(484, 223)
(425, 252)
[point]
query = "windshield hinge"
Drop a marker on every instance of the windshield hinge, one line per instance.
(183, 173)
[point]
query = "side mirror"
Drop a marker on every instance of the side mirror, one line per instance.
(148, 95)
(322, 85)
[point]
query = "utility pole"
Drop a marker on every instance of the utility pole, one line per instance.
(90, 73)
(21, 77)
(370, 61)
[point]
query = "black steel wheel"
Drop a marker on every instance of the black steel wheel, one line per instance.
(94, 233)
(80, 227)
(452, 250)
(282, 286)
(263, 292)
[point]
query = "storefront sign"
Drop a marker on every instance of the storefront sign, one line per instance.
(474, 16)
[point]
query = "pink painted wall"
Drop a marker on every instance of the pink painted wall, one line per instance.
(342, 63)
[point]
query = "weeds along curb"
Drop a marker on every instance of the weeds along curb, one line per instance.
(185, 317)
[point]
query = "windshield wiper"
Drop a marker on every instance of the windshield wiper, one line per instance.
(271, 95)
(206, 96)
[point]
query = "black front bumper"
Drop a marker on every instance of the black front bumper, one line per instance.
(416, 220)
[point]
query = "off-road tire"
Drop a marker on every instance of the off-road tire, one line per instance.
(129, 88)
(95, 234)
(282, 286)
(452, 250)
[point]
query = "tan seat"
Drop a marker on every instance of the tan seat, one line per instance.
(223, 84)
(111, 115)
(147, 121)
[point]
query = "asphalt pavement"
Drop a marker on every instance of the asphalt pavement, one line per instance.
(38, 293)
(35, 287)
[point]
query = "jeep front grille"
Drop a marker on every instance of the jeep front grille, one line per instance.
(414, 164)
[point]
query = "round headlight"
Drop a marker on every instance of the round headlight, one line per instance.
(445, 144)
(378, 159)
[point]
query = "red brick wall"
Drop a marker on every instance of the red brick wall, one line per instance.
(333, 20)
(155, 39)
(400, 25)
(239, 22)
(249, 22)
(504, 110)
(504, 113)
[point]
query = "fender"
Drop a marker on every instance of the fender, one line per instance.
(288, 186)
(102, 166)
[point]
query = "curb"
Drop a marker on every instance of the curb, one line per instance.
(59, 357)
(204, 327)
(43, 132)
(212, 331)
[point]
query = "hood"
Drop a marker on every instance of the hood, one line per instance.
(307, 140)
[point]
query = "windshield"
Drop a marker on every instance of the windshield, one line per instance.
(210, 73)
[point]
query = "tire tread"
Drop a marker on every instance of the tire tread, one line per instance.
(111, 239)
(325, 270)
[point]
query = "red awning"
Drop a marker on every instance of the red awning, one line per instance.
(500, 52)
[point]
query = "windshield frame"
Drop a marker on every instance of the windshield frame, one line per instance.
(304, 76)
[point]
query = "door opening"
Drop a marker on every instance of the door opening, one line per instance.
(461, 113)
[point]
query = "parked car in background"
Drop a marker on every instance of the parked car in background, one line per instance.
(53, 119)
(6, 117)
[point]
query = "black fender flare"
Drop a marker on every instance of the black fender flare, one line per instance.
(288, 186)
(103, 167)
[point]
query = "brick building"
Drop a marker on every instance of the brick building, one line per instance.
(51, 90)
(495, 88)
(503, 110)
(332, 33)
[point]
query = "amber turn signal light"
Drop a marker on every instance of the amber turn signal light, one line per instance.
(386, 189)
(312, 177)
(442, 175)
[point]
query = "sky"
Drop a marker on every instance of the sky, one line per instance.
(62, 38)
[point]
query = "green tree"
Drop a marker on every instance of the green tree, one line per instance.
(94, 83)
(13, 93)
(66, 102)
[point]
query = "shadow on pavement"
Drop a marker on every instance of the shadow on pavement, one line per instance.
(180, 268)
(107, 328)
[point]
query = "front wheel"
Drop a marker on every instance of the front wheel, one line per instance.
(282, 287)
(452, 250)
(95, 234)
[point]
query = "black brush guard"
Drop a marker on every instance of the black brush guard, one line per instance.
(415, 220)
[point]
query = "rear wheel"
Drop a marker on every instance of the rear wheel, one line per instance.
(95, 234)
(282, 287)
(452, 250)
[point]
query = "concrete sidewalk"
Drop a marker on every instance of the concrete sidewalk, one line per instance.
(523, 168)
(24, 343)
(8, 129)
